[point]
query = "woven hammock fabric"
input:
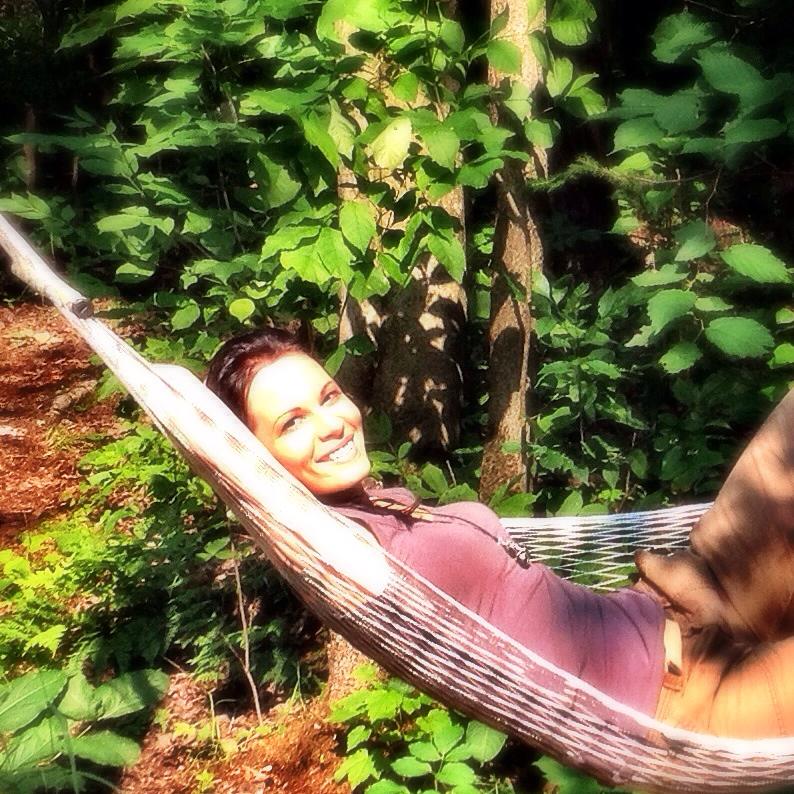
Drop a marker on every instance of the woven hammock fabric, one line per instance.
(403, 621)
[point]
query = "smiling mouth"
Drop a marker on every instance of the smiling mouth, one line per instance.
(342, 454)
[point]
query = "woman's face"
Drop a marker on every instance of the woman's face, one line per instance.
(301, 415)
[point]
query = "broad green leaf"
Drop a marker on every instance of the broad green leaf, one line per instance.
(541, 133)
(132, 8)
(185, 316)
(306, 264)
(44, 740)
(130, 692)
(357, 768)
(287, 239)
(334, 254)
(585, 102)
(277, 101)
(119, 223)
(753, 131)
(317, 135)
(520, 100)
(442, 145)
(679, 112)
(695, 240)
(729, 74)
(680, 357)
(106, 748)
(565, 780)
(390, 148)
(571, 505)
(634, 133)
(456, 774)
(24, 698)
(78, 702)
(281, 187)
(406, 87)
(783, 355)
(756, 263)
(49, 639)
(451, 33)
(666, 274)
(639, 161)
(341, 131)
(784, 316)
(409, 766)
(570, 20)
(504, 56)
(386, 786)
(448, 251)
(358, 735)
(357, 223)
(712, 303)
(424, 751)
(559, 77)
(678, 35)
(484, 742)
(742, 337)
(131, 273)
(242, 308)
(669, 305)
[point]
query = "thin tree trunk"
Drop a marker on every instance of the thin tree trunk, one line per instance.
(517, 252)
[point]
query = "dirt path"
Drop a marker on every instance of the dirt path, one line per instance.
(48, 421)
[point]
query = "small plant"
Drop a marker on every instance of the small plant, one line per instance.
(52, 733)
(399, 741)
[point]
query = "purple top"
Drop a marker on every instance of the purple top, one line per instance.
(613, 641)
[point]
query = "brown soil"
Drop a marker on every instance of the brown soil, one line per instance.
(49, 418)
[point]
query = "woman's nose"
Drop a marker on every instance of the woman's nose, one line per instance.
(329, 425)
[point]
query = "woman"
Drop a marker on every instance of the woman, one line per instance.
(703, 642)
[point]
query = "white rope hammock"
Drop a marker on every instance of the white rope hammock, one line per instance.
(403, 621)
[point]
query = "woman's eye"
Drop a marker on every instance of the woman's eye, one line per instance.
(331, 397)
(291, 424)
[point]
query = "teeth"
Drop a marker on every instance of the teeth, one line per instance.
(343, 452)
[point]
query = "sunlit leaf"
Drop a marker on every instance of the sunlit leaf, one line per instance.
(390, 148)
(756, 263)
(742, 337)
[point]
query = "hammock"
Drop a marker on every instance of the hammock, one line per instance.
(405, 623)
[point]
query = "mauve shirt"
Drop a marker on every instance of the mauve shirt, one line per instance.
(613, 641)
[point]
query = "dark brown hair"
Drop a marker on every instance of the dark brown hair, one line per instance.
(238, 359)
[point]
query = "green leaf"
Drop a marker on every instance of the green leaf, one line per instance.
(784, 316)
(119, 223)
(356, 768)
(559, 77)
(678, 35)
(504, 56)
(185, 316)
(357, 223)
(451, 33)
(242, 308)
(132, 8)
(130, 692)
(456, 774)
(669, 305)
(449, 252)
(281, 187)
(739, 336)
(24, 698)
(565, 780)
(341, 130)
(306, 264)
(424, 751)
(570, 20)
(783, 355)
(635, 133)
(753, 131)
(106, 748)
(639, 161)
(484, 742)
(729, 74)
(334, 253)
(756, 263)
(387, 787)
(666, 274)
(572, 505)
(44, 740)
(406, 87)
(712, 303)
(540, 133)
(411, 767)
(695, 240)
(358, 735)
(442, 145)
(79, 702)
(131, 273)
(317, 135)
(390, 148)
(680, 357)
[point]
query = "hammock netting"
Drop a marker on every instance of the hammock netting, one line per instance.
(405, 623)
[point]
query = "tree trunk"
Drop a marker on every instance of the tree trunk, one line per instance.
(517, 252)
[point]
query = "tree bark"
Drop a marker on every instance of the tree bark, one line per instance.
(517, 253)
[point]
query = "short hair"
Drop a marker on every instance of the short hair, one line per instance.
(232, 368)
